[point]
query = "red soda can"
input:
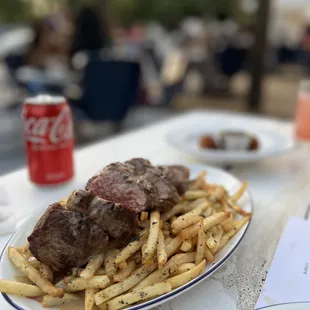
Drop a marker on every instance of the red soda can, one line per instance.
(49, 139)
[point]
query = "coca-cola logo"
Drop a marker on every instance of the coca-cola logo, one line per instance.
(49, 129)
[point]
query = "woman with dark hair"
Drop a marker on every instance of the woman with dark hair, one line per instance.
(89, 33)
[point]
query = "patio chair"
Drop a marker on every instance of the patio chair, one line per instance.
(110, 88)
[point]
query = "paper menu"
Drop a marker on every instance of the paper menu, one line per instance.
(288, 279)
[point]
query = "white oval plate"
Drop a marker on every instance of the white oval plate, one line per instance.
(8, 271)
(272, 142)
(288, 306)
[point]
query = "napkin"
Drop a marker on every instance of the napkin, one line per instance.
(288, 280)
(7, 217)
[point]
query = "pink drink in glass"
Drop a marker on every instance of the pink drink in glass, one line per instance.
(302, 121)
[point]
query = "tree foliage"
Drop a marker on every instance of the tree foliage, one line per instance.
(125, 11)
(14, 11)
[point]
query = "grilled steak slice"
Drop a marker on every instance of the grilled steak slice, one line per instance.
(117, 220)
(64, 239)
(178, 175)
(67, 237)
(136, 184)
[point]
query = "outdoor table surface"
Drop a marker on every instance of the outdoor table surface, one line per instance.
(279, 186)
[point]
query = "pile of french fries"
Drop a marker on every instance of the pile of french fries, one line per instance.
(169, 250)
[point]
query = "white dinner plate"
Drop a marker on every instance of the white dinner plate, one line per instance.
(8, 271)
(288, 306)
(271, 141)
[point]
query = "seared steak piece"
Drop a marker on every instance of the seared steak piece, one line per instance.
(115, 219)
(136, 184)
(67, 237)
(64, 239)
(176, 174)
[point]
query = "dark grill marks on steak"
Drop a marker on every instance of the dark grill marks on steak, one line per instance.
(66, 238)
(136, 184)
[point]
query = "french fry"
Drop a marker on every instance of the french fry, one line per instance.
(195, 194)
(189, 232)
(218, 193)
(238, 194)
(173, 246)
(187, 276)
(122, 274)
(237, 208)
(201, 242)
(144, 216)
(92, 267)
(21, 263)
(109, 265)
(168, 240)
(237, 226)
(227, 225)
(122, 265)
(217, 239)
(215, 219)
(152, 238)
(132, 247)
(210, 241)
(208, 255)
(140, 295)
(50, 301)
(79, 284)
(161, 249)
(46, 272)
(20, 289)
(184, 267)
(90, 298)
(24, 250)
(201, 180)
(119, 288)
(187, 245)
(183, 222)
(177, 209)
(167, 270)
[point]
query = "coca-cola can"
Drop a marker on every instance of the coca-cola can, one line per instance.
(49, 139)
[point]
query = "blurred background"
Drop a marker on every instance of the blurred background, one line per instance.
(124, 64)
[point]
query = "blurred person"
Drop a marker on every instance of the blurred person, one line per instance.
(50, 46)
(305, 45)
(91, 33)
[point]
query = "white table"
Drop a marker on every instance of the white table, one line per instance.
(279, 186)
